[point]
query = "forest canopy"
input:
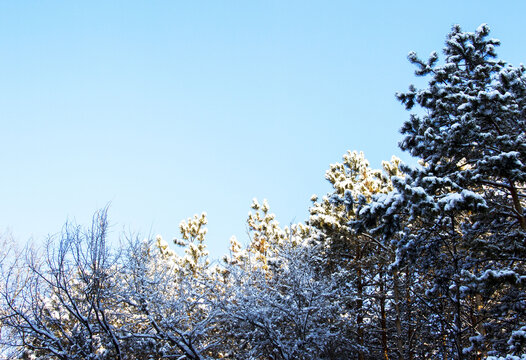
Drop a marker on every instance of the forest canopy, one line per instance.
(402, 262)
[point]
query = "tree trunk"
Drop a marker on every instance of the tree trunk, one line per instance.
(398, 322)
(359, 304)
(383, 317)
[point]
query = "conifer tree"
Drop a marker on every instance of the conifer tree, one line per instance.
(466, 202)
(358, 260)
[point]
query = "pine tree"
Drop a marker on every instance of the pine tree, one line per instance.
(466, 202)
(359, 261)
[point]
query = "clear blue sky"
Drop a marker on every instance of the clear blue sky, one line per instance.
(170, 108)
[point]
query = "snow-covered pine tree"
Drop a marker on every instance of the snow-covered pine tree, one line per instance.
(193, 232)
(466, 202)
(359, 262)
(267, 238)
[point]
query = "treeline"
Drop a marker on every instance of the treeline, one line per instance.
(425, 262)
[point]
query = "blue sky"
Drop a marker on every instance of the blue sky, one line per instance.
(170, 108)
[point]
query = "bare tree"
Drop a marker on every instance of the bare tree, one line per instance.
(59, 303)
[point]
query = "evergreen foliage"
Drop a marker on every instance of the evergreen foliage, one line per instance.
(465, 228)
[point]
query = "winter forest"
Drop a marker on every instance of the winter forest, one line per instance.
(402, 262)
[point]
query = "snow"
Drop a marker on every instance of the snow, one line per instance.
(450, 201)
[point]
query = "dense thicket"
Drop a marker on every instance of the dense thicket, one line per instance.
(425, 262)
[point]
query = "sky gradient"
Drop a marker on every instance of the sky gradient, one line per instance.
(169, 108)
